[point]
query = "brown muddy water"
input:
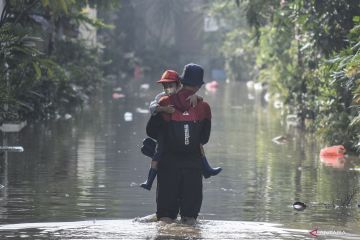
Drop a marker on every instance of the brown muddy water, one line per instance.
(79, 178)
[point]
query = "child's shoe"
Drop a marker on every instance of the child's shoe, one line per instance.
(151, 177)
(207, 170)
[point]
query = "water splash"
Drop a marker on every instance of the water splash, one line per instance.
(148, 228)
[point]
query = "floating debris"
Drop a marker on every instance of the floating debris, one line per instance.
(118, 89)
(278, 104)
(57, 116)
(292, 120)
(250, 84)
(12, 126)
(354, 169)
(142, 110)
(299, 206)
(280, 139)
(145, 86)
(211, 86)
(11, 149)
(67, 116)
(251, 97)
(337, 150)
(258, 86)
(128, 116)
(118, 95)
(333, 161)
(1, 186)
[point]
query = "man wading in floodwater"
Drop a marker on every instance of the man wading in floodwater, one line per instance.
(179, 169)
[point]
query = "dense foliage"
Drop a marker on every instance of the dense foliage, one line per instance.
(45, 67)
(308, 52)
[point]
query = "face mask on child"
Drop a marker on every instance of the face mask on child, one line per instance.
(170, 91)
(170, 88)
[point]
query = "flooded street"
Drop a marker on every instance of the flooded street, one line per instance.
(86, 171)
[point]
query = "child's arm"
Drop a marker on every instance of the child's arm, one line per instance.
(155, 104)
(166, 109)
(194, 99)
(155, 108)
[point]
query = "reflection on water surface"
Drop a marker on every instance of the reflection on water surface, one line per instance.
(89, 167)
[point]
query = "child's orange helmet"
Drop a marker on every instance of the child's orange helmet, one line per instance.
(169, 76)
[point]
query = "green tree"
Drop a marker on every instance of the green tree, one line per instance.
(40, 75)
(307, 52)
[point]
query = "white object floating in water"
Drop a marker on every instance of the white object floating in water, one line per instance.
(278, 104)
(116, 95)
(145, 86)
(300, 206)
(67, 116)
(118, 89)
(128, 116)
(280, 139)
(12, 126)
(1, 186)
(250, 84)
(355, 169)
(258, 86)
(142, 110)
(11, 149)
(292, 120)
(251, 97)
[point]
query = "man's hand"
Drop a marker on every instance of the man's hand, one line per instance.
(194, 99)
(166, 109)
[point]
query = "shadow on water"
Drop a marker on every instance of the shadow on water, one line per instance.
(78, 175)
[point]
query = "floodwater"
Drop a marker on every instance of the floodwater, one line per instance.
(79, 178)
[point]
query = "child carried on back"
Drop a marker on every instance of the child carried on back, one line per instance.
(171, 84)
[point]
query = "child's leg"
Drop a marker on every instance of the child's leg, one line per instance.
(151, 176)
(153, 169)
(154, 164)
(207, 170)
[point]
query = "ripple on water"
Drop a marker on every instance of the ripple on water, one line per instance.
(148, 228)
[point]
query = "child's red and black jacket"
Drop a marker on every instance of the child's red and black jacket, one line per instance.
(180, 134)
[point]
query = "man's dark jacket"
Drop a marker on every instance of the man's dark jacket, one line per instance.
(180, 134)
